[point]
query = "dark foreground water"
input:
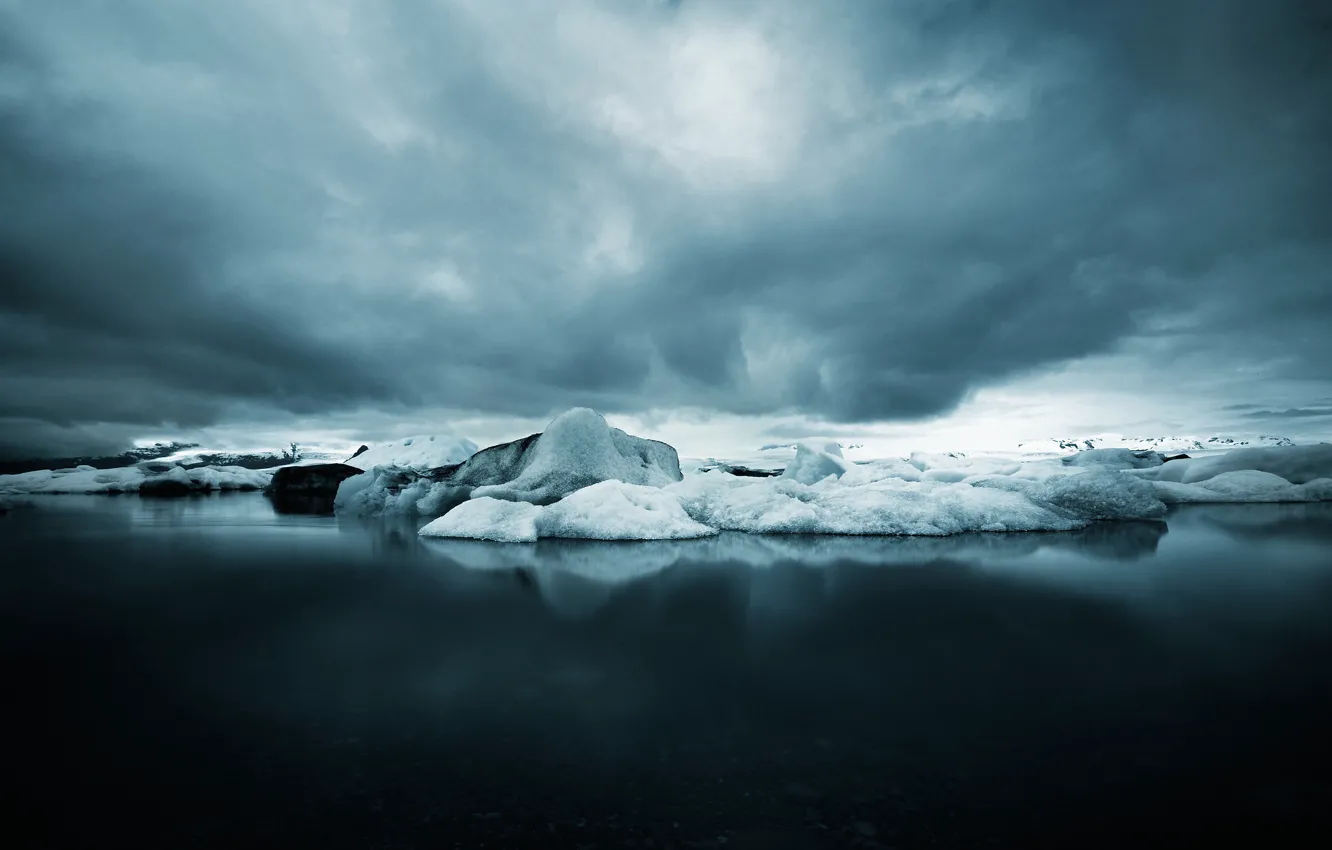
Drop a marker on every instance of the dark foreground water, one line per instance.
(205, 673)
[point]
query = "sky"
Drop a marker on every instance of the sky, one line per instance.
(931, 222)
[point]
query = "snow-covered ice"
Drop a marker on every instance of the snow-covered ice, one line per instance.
(814, 462)
(820, 492)
(487, 519)
(577, 449)
(1115, 459)
(1296, 464)
(418, 453)
(130, 479)
(607, 510)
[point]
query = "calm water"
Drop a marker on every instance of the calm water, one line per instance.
(205, 672)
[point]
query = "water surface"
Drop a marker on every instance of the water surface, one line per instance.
(209, 673)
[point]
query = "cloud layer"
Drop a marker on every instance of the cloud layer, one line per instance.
(249, 209)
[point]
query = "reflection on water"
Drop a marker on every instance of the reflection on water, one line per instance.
(223, 675)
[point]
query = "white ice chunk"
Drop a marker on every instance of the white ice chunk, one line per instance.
(816, 461)
(1296, 464)
(946, 466)
(418, 453)
(891, 506)
(576, 450)
(487, 519)
(614, 510)
(880, 470)
(1244, 485)
(608, 510)
(1088, 496)
(129, 479)
(1115, 459)
(228, 478)
(387, 490)
(579, 449)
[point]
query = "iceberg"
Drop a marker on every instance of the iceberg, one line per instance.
(1296, 464)
(148, 478)
(1115, 459)
(899, 507)
(578, 449)
(607, 510)
(815, 462)
(419, 453)
(1243, 486)
(950, 467)
(820, 492)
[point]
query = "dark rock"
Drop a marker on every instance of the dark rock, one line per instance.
(1174, 457)
(362, 450)
(318, 479)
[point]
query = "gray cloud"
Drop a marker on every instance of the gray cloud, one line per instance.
(1290, 413)
(750, 208)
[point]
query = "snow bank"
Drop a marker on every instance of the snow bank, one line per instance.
(608, 510)
(131, 479)
(420, 453)
(814, 462)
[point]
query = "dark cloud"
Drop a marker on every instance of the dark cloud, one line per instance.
(748, 208)
(1290, 413)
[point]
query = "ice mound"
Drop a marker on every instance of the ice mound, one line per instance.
(576, 450)
(1244, 485)
(389, 490)
(815, 462)
(1115, 459)
(151, 476)
(579, 449)
(897, 507)
(418, 453)
(880, 470)
(1087, 497)
(1296, 464)
(607, 510)
(487, 519)
(951, 468)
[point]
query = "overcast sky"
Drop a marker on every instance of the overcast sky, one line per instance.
(719, 223)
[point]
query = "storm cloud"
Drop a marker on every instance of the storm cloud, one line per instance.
(856, 211)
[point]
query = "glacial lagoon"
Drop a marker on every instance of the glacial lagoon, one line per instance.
(206, 672)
